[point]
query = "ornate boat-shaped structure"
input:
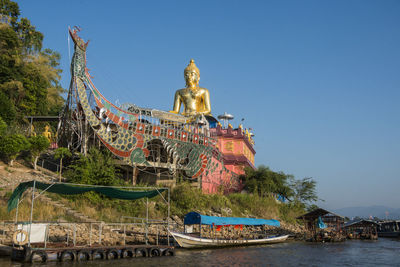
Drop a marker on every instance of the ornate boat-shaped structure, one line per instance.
(194, 221)
(151, 140)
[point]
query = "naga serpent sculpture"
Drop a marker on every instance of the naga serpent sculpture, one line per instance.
(129, 134)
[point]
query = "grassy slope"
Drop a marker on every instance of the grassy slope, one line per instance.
(41, 212)
(184, 199)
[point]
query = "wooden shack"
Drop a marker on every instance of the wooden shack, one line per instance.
(332, 230)
(389, 228)
(361, 229)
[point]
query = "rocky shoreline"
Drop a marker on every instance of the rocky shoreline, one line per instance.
(100, 233)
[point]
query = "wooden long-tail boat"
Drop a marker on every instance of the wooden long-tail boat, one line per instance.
(188, 239)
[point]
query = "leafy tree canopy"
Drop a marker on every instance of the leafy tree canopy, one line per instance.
(304, 190)
(38, 144)
(96, 168)
(3, 127)
(12, 145)
(264, 182)
(30, 38)
(62, 152)
(29, 76)
(11, 10)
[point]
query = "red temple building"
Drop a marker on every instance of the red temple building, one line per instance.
(237, 149)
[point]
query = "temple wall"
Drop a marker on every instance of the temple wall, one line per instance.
(234, 144)
(220, 181)
(238, 169)
(237, 152)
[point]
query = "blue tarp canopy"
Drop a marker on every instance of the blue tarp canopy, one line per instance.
(197, 218)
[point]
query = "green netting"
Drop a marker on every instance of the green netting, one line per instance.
(74, 190)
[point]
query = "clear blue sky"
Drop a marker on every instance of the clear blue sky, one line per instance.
(318, 81)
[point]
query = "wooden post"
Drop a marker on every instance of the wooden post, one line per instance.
(74, 234)
(124, 234)
(100, 228)
(157, 236)
(214, 231)
(147, 220)
(90, 235)
(134, 175)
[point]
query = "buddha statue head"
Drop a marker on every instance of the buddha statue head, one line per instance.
(192, 75)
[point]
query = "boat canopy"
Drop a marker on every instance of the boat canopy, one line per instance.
(197, 218)
(67, 189)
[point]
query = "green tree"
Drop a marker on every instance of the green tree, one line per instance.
(97, 168)
(61, 153)
(7, 109)
(304, 190)
(11, 54)
(3, 127)
(12, 145)
(27, 33)
(29, 76)
(48, 62)
(29, 85)
(265, 182)
(38, 144)
(10, 10)
(31, 39)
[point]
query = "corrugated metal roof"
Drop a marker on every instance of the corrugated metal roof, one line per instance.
(316, 213)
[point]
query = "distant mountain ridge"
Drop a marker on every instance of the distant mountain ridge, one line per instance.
(381, 212)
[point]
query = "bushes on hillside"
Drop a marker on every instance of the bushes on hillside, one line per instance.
(11, 145)
(95, 168)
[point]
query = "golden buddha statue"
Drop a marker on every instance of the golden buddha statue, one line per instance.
(196, 100)
(47, 133)
(33, 130)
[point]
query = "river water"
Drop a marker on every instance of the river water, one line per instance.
(383, 252)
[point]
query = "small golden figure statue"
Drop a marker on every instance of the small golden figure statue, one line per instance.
(196, 100)
(33, 130)
(47, 133)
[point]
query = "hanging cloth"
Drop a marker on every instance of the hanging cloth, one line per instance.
(321, 224)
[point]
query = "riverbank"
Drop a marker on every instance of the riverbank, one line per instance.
(184, 198)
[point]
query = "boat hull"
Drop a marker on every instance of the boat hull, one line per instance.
(186, 241)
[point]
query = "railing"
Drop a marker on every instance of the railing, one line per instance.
(46, 164)
(146, 222)
(93, 233)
